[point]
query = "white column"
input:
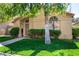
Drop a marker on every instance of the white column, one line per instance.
(20, 33)
(24, 29)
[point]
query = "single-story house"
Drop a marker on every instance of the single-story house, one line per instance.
(63, 23)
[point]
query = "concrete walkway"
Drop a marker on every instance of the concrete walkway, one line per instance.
(11, 41)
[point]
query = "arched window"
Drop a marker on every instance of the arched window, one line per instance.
(53, 21)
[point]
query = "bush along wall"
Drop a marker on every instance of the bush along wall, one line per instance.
(75, 32)
(40, 33)
(14, 32)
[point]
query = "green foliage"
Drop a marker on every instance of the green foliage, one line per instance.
(10, 10)
(40, 33)
(4, 38)
(54, 7)
(36, 33)
(75, 32)
(14, 32)
(60, 8)
(55, 33)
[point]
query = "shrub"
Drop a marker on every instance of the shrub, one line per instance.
(36, 33)
(75, 32)
(40, 33)
(14, 32)
(55, 33)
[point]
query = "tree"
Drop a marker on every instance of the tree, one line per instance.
(57, 8)
(18, 9)
(32, 9)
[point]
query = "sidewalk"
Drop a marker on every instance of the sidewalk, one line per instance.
(11, 41)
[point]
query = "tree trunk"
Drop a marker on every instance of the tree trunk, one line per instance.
(47, 33)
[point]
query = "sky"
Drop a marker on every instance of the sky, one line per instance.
(74, 9)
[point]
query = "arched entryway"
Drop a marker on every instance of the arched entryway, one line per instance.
(54, 23)
(24, 27)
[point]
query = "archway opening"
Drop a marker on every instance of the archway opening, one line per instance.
(54, 23)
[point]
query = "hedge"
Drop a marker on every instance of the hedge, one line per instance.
(40, 33)
(75, 32)
(14, 32)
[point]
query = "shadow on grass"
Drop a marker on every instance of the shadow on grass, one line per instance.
(38, 45)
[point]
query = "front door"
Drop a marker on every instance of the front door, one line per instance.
(22, 32)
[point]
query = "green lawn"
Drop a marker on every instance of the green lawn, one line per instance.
(3, 38)
(38, 48)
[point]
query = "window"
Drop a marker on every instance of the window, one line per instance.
(53, 22)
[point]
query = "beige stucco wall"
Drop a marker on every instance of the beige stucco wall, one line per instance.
(65, 24)
(66, 27)
(37, 22)
(17, 23)
(2, 32)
